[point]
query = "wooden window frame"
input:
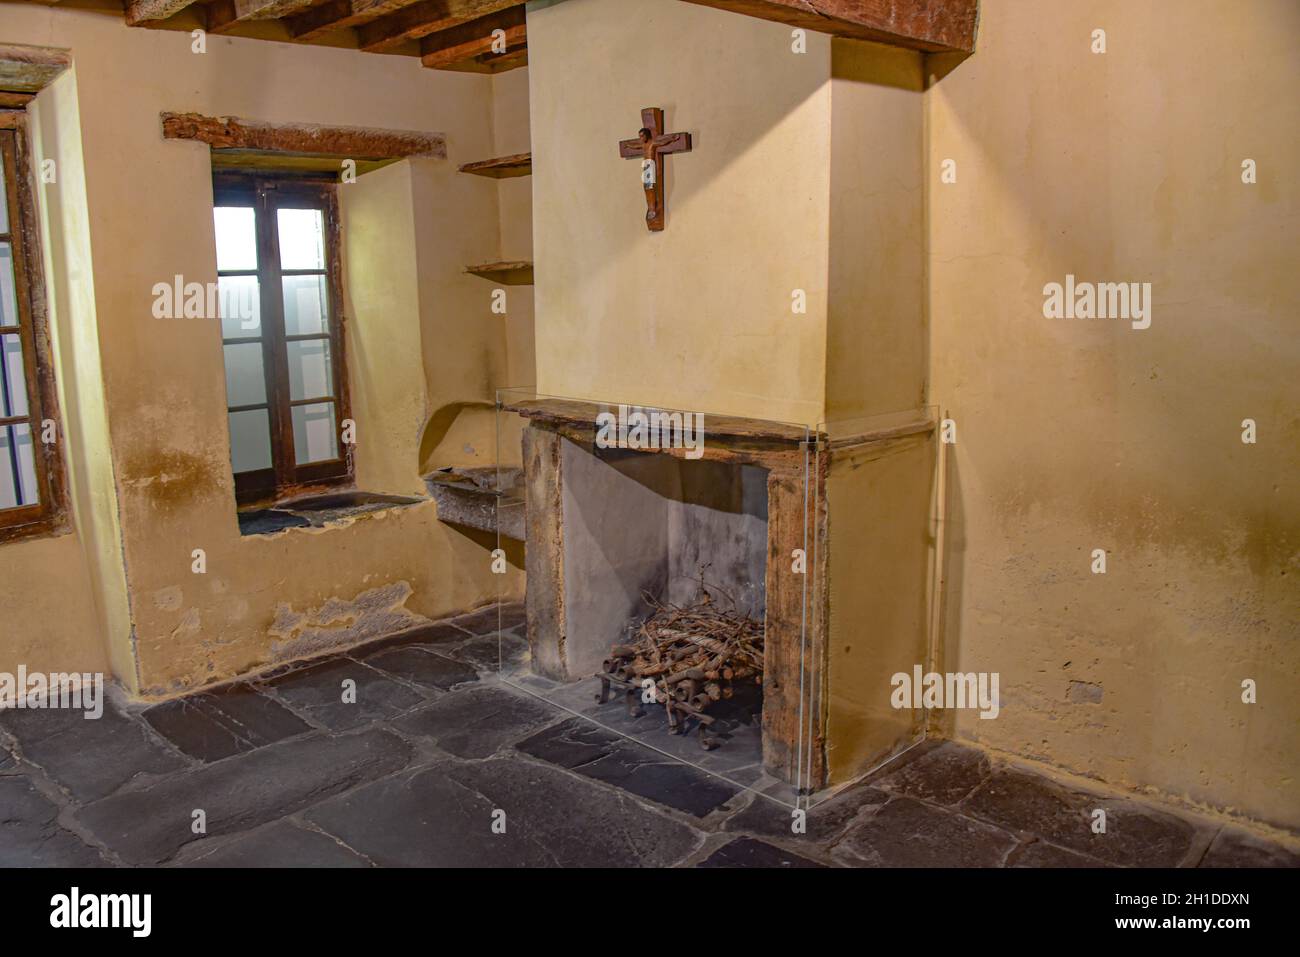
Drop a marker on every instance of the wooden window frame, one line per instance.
(49, 514)
(268, 193)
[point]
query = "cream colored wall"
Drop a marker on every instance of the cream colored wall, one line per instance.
(877, 336)
(148, 211)
(1077, 435)
(697, 316)
(510, 135)
(58, 599)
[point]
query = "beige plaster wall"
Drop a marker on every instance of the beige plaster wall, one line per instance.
(1079, 435)
(511, 134)
(148, 213)
(699, 315)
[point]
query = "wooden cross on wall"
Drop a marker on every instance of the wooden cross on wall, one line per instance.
(650, 146)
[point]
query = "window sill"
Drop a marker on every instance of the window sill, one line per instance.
(318, 511)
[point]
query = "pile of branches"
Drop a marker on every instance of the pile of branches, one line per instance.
(695, 655)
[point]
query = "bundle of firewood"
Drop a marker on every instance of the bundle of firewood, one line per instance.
(695, 655)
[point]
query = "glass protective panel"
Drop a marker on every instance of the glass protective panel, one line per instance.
(250, 440)
(306, 305)
(236, 237)
(13, 380)
(8, 291)
(302, 238)
(241, 307)
(17, 467)
(4, 201)
(314, 436)
(309, 369)
(245, 380)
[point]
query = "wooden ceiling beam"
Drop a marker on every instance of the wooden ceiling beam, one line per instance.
(224, 14)
(28, 69)
(424, 18)
(141, 13)
(469, 46)
(349, 142)
(338, 15)
(935, 26)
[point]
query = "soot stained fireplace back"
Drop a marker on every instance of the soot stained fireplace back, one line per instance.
(665, 581)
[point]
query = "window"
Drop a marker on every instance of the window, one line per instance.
(280, 294)
(31, 474)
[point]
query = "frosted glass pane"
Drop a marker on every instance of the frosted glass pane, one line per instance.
(302, 239)
(245, 382)
(236, 237)
(306, 305)
(309, 369)
(314, 437)
(241, 307)
(13, 378)
(17, 467)
(250, 440)
(8, 294)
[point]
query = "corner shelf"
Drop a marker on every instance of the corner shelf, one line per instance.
(510, 273)
(503, 167)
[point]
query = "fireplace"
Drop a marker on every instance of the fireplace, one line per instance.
(620, 523)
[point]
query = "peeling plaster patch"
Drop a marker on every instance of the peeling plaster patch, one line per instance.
(339, 623)
(189, 626)
(1084, 692)
(168, 599)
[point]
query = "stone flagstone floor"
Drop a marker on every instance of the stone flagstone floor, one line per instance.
(289, 775)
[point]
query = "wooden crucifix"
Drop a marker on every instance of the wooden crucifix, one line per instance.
(650, 146)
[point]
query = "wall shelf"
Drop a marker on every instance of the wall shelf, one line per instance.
(510, 273)
(503, 167)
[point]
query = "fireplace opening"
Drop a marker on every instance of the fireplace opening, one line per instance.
(665, 565)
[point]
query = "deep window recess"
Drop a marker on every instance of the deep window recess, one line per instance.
(31, 473)
(280, 293)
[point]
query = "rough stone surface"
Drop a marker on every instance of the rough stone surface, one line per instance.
(90, 758)
(477, 721)
(442, 816)
(486, 619)
(943, 775)
(501, 652)
(907, 833)
(30, 835)
(595, 753)
(1136, 835)
(825, 822)
(317, 692)
(1234, 847)
(7, 761)
(748, 852)
(215, 726)
(427, 668)
(150, 825)
(1042, 854)
(282, 844)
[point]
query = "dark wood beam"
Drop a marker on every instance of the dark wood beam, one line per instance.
(469, 46)
(344, 142)
(15, 101)
(225, 13)
(421, 19)
(935, 26)
(28, 69)
(148, 12)
(338, 15)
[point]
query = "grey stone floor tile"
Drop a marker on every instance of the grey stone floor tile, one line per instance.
(30, 835)
(495, 652)
(477, 721)
(942, 775)
(239, 793)
(442, 816)
(1136, 835)
(318, 692)
(823, 823)
(907, 833)
(426, 668)
(1233, 847)
(590, 751)
(486, 619)
(213, 726)
(748, 852)
(1042, 854)
(282, 844)
(91, 758)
